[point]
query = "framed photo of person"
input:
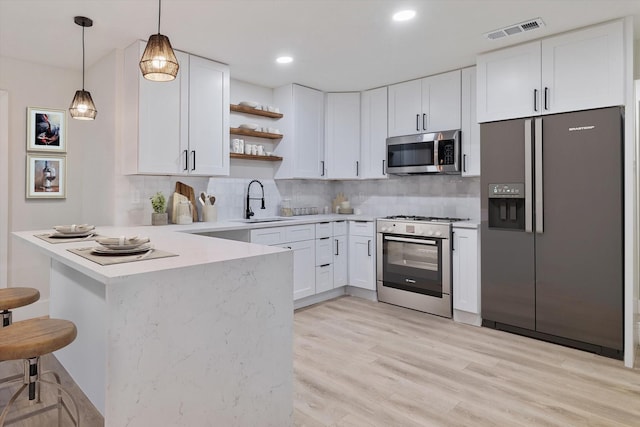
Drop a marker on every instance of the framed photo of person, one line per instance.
(46, 176)
(46, 130)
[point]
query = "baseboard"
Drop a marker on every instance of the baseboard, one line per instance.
(39, 308)
(466, 317)
(362, 293)
(318, 298)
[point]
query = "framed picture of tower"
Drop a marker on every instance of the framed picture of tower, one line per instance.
(46, 176)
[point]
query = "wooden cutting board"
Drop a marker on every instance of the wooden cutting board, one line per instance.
(187, 191)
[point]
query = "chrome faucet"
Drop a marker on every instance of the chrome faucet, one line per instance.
(249, 213)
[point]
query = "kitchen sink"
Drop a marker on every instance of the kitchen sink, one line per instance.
(259, 220)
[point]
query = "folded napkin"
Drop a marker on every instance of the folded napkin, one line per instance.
(73, 228)
(122, 241)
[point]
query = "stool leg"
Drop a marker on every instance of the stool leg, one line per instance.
(6, 318)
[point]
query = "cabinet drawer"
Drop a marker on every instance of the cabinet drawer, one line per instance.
(298, 233)
(324, 278)
(324, 251)
(361, 228)
(339, 228)
(323, 229)
(269, 236)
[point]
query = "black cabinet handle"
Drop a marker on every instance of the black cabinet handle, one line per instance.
(186, 160)
(418, 122)
(464, 162)
(322, 163)
(193, 167)
(325, 265)
(324, 238)
(424, 121)
(546, 98)
(337, 247)
(383, 170)
(369, 247)
(535, 100)
(357, 168)
(453, 233)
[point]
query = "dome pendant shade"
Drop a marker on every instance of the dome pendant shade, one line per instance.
(82, 106)
(159, 62)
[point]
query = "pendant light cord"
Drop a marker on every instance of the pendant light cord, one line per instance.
(83, 58)
(159, 11)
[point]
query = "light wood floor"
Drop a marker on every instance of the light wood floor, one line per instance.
(361, 363)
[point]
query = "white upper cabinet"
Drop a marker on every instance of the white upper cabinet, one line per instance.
(178, 127)
(373, 133)
(575, 71)
(430, 104)
(342, 135)
(208, 117)
(470, 127)
(302, 144)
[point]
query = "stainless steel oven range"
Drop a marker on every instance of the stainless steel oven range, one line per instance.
(414, 263)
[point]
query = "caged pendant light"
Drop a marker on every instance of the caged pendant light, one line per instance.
(159, 63)
(82, 106)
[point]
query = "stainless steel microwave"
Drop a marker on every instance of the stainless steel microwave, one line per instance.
(437, 152)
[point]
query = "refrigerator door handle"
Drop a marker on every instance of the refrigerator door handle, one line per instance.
(528, 178)
(538, 174)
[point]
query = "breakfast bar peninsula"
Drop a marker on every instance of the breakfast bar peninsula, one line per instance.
(202, 337)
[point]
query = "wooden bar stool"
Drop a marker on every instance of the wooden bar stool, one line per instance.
(13, 298)
(28, 340)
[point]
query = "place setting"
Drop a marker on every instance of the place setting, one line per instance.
(69, 233)
(122, 249)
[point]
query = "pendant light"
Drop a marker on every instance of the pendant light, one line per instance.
(82, 106)
(159, 62)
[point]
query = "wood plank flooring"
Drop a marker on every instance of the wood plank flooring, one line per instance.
(361, 363)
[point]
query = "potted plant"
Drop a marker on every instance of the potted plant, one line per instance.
(159, 205)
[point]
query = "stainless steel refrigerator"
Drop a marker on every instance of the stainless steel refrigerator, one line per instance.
(552, 228)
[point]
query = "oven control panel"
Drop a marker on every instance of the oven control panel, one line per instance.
(414, 228)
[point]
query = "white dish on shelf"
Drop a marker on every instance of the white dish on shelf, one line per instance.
(122, 251)
(250, 104)
(250, 126)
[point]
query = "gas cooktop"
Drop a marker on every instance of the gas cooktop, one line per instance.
(425, 218)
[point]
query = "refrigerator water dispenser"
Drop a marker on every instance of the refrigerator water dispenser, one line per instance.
(506, 206)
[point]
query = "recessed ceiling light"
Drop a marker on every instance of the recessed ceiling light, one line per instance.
(284, 59)
(404, 15)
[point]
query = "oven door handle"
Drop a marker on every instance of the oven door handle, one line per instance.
(408, 240)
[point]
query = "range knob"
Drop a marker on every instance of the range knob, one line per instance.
(384, 229)
(419, 232)
(438, 233)
(430, 233)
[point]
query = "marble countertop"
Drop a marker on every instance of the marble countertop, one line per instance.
(192, 249)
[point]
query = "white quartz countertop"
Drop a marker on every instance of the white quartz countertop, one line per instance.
(192, 250)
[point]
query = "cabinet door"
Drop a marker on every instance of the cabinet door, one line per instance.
(583, 69)
(373, 138)
(208, 117)
(324, 251)
(309, 132)
(342, 135)
(466, 283)
(469, 126)
(304, 268)
(405, 108)
(340, 266)
(161, 115)
(441, 102)
(509, 83)
(361, 262)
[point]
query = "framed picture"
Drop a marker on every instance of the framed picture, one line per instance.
(46, 130)
(46, 176)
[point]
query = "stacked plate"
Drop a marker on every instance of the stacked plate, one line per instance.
(73, 231)
(122, 245)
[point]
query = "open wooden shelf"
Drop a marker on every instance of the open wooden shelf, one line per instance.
(247, 132)
(252, 157)
(255, 112)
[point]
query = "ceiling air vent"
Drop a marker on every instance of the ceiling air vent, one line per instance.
(532, 24)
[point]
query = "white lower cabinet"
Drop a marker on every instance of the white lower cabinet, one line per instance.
(466, 270)
(362, 255)
(340, 261)
(304, 266)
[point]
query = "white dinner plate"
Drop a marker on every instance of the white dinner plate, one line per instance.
(101, 250)
(58, 235)
(127, 243)
(74, 229)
